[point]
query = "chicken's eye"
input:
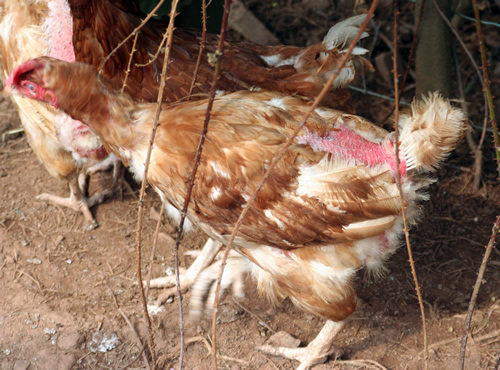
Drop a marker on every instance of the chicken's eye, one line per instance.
(31, 88)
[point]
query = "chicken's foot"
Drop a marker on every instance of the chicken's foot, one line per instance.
(187, 279)
(76, 201)
(316, 352)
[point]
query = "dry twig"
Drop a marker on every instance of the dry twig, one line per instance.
(398, 181)
(475, 148)
(479, 281)
(170, 31)
(153, 250)
(131, 56)
(486, 79)
(202, 46)
(134, 32)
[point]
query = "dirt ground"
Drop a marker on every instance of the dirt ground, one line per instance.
(69, 298)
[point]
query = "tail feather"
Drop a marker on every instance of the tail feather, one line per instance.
(343, 33)
(430, 132)
(339, 38)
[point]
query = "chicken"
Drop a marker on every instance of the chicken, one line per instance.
(330, 207)
(288, 69)
(68, 149)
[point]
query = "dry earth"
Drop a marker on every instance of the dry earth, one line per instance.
(65, 292)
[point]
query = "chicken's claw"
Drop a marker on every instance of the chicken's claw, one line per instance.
(316, 352)
(78, 204)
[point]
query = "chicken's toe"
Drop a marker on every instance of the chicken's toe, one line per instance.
(187, 278)
(316, 352)
(74, 203)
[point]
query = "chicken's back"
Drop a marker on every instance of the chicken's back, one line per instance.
(288, 69)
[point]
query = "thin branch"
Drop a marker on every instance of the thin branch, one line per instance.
(158, 51)
(477, 285)
(145, 20)
(131, 56)
(170, 31)
(477, 152)
(202, 46)
(486, 77)
(462, 43)
(398, 181)
(134, 332)
(277, 158)
(215, 80)
(410, 56)
(153, 250)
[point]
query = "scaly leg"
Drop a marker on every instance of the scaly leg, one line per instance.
(316, 352)
(76, 201)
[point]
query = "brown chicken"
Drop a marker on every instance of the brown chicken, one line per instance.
(67, 148)
(330, 207)
(288, 69)
(49, 28)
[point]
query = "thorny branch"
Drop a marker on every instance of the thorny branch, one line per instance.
(277, 158)
(411, 55)
(153, 250)
(170, 31)
(131, 56)
(477, 285)
(202, 46)
(217, 71)
(398, 181)
(158, 51)
(144, 21)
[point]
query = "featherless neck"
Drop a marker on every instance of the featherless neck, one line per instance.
(99, 107)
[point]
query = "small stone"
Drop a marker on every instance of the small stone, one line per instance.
(49, 331)
(104, 341)
(58, 240)
(283, 339)
(34, 261)
(68, 341)
(21, 365)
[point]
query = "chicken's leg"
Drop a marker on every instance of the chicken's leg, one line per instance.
(76, 201)
(204, 259)
(316, 352)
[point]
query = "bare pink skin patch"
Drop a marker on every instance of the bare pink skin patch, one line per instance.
(59, 28)
(347, 144)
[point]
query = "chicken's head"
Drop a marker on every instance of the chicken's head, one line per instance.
(27, 79)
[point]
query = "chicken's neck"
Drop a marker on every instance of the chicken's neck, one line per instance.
(108, 114)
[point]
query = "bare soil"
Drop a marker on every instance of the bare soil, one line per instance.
(65, 291)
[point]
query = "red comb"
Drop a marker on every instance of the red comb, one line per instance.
(23, 68)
